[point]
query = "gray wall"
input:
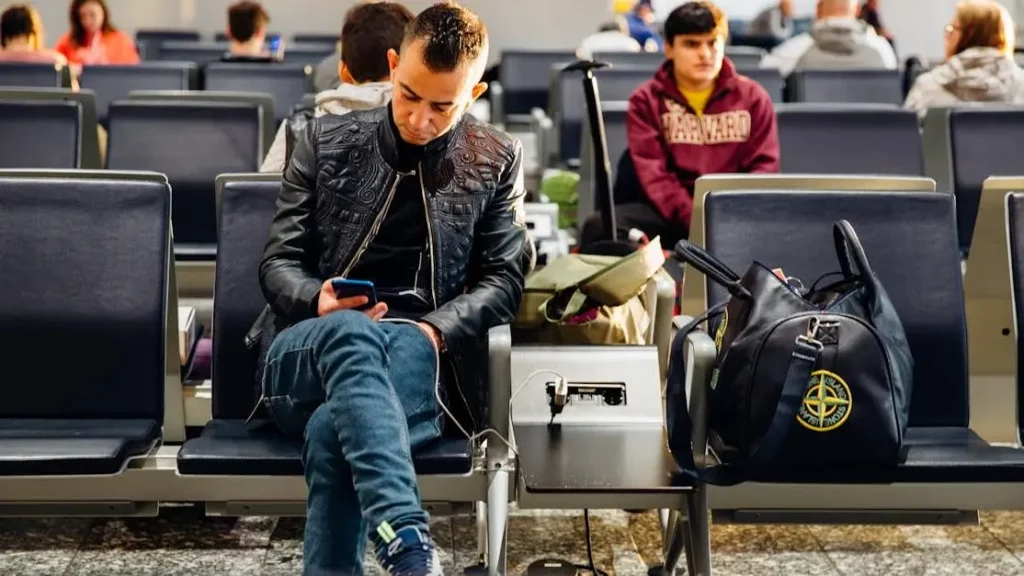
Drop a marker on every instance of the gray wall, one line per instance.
(539, 24)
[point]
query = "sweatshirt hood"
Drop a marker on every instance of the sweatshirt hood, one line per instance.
(348, 97)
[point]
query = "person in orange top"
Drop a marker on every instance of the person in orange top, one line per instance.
(93, 39)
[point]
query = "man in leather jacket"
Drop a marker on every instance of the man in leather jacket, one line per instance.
(427, 203)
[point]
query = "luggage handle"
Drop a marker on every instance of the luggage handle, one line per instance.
(852, 259)
(711, 267)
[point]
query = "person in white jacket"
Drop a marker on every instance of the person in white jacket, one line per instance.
(370, 30)
(979, 64)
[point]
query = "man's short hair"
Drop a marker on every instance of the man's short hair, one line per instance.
(451, 35)
(17, 21)
(370, 30)
(245, 18)
(698, 17)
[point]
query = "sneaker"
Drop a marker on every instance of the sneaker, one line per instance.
(407, 552)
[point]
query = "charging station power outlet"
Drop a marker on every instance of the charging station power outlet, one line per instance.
(592, 393)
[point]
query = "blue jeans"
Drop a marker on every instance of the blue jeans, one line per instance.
(362, 394)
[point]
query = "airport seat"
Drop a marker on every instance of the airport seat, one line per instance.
(40, 134)
(92, 158)
(649, 61)
(26, 75)
(569, 105)
(201, 53)
(311, 38)
(745, 56)
(307, 54)
(855, 139)
(983, 142)
(792, 229)
(287, 83)
(1014, 203)
(524, 80)
(101, 402)
(226, 446)
(865, 86)
(148, 41)
(112, 83)
(770, 79)
(192, 143)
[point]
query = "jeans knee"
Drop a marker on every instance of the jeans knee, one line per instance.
(321, 437)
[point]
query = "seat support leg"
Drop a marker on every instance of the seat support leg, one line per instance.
(497, 520)
(698, 532)
(481, 532)
(673, 542)
(664, 516)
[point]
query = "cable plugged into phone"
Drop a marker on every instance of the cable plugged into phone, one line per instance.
(560, 397)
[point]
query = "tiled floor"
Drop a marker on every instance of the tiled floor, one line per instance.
(180, 542)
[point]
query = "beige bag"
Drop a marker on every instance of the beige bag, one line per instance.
(585, 299)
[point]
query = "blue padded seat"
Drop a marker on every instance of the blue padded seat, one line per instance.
(769, 78)
(40, 134)
(853, 139)
(31, 75)
(526, 78)
(85, 266)
(111, 83)
(864, 86)
(192, 143)
(615, 85)
(793, 230)
(287, 83)
(227, 445)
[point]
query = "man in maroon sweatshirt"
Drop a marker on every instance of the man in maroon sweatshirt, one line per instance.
(697, 116)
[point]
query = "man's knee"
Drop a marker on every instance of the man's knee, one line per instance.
(321, 437)
(309, 333)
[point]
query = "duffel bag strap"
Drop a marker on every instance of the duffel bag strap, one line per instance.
(711, 267)
(798, 375)
(613, 285)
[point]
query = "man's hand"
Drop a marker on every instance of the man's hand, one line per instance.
(432, 334)
(328, 303)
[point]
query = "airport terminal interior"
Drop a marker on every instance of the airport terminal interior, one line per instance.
(661, 148)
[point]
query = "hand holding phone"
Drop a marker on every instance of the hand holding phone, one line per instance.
(344, 294)
(276, 47)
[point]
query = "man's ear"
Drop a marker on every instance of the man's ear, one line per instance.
(478, 90)
(392, 59)
(345, 75)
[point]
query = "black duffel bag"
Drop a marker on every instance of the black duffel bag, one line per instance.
(807, 379)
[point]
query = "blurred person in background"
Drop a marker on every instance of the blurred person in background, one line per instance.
(775, 21)
(611, 37)
(640, 22)
(247, 33)
(979, 64)
(93, 39)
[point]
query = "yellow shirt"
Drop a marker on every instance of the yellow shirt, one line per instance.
(698, 100)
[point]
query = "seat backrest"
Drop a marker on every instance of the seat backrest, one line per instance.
(869, 86)
(307, 54)
(983, 142)
(201, 53)
(613, 84)
(85, 270)
(614, 114)
(769, 78)
(792, 230)
(192, 143)
(245, 207)
(39, 134)
(265, 103)
(526, 77)
(287, 83)
(649, 61)
(31, 75)
(91, 158)
(316, 38)
(852, 139)
(745, 56)
(116, 82)
(1015, 237)
(150, 41)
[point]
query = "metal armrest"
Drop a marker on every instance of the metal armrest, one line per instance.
(661, 335)
(543, 129)
(499, 383)
(699, 353)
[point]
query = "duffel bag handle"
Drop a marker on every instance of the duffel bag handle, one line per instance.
(852, 259)
(711, 267)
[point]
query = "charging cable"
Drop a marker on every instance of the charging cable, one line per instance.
(560, 383)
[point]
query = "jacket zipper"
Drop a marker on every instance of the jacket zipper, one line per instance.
(376, 225)
(430, 240)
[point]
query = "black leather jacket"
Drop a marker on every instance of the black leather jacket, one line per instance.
(336, 190)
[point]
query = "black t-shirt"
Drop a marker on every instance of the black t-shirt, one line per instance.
(240, 59)
(397, 260)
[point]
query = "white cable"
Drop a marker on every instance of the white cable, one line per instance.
(437, 393)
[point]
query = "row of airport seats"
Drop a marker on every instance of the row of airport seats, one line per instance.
(286, 83)
(558, 131)
(956, 147)
(528, 80)
(101, 431)
(190, 46)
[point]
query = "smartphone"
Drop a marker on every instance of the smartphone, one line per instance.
(276, 46)
(345, 288)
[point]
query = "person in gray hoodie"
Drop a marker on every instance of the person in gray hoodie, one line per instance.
(776, 21)
(979, 64)
(370, 30)
(836, 40)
